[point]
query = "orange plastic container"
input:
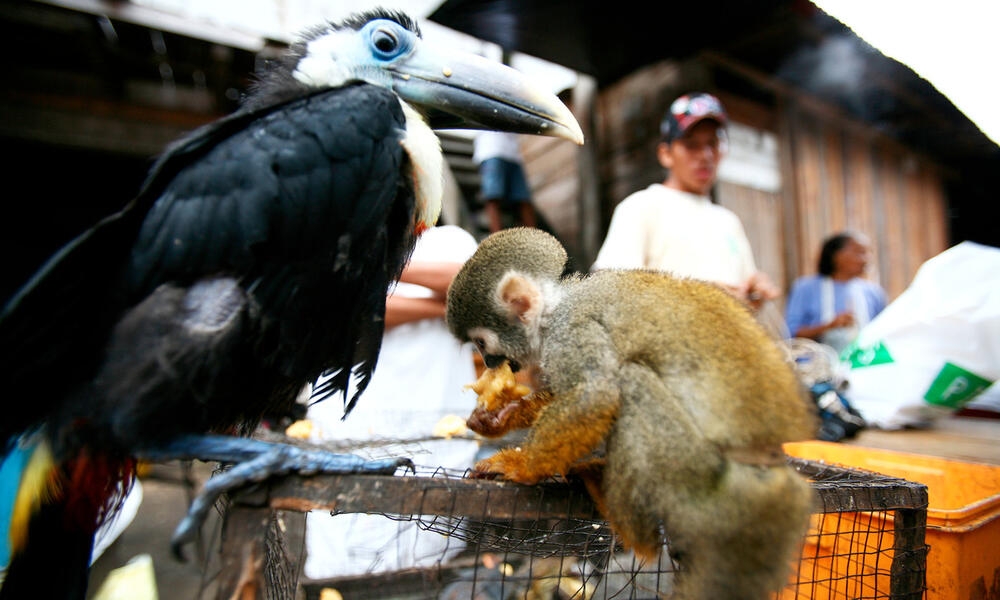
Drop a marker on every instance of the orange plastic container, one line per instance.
(963, 523)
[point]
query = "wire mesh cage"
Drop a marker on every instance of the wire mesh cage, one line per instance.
(547, 541)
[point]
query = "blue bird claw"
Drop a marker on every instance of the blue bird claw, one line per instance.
(254, 461)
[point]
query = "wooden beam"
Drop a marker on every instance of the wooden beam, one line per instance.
(590, 237)
(402, 495)
(137, 14)
(802, 99)
(94, 124)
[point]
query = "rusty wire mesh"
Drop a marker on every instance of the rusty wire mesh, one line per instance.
(548, 542)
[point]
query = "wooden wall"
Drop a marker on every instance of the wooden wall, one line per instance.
(835, 174)
(761, 215)
(842, 176)
(623, 148)
(551, 168)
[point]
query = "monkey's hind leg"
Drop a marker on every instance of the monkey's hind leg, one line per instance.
(591, 472)
(739, 543)
(658, 461)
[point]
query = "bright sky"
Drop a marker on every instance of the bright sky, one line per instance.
(953, 44)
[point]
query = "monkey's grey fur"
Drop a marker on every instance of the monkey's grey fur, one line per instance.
(692, 398)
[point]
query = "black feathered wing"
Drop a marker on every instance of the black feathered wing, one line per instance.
(305, 204)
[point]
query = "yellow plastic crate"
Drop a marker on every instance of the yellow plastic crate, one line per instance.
(963, 524)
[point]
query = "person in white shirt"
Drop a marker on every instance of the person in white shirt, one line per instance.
(674, 226)
(503, 184)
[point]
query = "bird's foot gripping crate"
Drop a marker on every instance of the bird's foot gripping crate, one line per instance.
(547, 541)
(963, 521)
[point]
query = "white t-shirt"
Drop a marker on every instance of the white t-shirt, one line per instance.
(496, 144)
(664, 229)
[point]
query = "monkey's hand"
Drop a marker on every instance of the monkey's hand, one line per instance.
(496, 388)
(511, 464)
(491, 423)
(514, 414)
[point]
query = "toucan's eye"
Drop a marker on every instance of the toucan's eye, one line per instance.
(385, 42)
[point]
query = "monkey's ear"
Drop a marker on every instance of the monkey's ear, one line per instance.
(521, 297)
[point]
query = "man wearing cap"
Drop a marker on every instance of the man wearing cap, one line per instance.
(674, 226)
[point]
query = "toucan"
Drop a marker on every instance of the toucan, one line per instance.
(254, 260)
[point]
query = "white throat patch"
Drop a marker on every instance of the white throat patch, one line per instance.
(427, 164)
(337, 58)
(319, 68)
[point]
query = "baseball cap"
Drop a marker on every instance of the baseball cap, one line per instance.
(688, 110)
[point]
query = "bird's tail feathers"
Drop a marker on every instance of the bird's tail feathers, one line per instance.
(53, 531)
(96, 488)
(40, 483)
(329, 383)
(343, 381)
(364, 376)
(90, 490)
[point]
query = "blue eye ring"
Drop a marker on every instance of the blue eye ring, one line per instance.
(387, 40)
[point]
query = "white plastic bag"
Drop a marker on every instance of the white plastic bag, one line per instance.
(933, 349)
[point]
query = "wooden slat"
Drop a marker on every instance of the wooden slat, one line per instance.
(760, 213)
(937, 223)
(551, 166)
(909, 565)
(563, 217)
(403, 495)
(255, 561)
(790, 209)
(549, 160)
(834, 178)
(502, 500)
(890, 250)
(860, 183)
(916, 224)
(807, 160)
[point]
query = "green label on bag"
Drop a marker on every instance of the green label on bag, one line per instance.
(876, 354)
(954, 386)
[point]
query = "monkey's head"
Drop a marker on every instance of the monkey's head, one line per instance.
(499, 297)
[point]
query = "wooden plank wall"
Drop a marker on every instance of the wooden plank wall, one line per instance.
(760, 213)
(551, 168)
(627, 117)
(836, 174)
(846, 177)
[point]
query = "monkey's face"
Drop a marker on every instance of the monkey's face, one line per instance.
(476, 314)
(497, 300)
(492, 349)
(504, 323)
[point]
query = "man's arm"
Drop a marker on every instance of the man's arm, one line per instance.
(435, 276)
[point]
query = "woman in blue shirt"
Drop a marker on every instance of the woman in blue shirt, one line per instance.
(833, 305)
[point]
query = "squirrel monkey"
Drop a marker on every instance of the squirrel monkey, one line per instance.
(690, 396)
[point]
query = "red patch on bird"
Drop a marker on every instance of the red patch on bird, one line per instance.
(95, 489)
